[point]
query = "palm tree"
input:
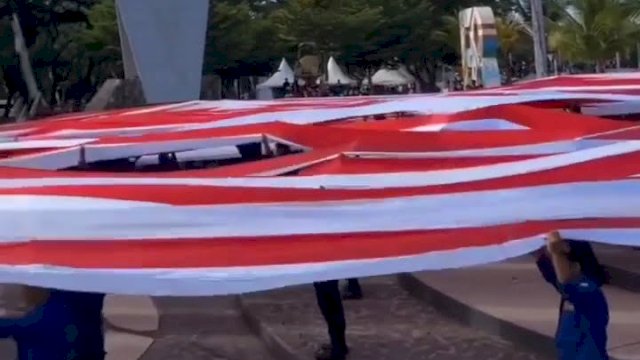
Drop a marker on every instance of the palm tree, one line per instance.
(594, 31)
(512, 34)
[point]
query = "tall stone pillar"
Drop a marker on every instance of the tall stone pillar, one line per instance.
(163, 45)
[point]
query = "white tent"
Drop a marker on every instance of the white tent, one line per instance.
(392, 77)
(335, 75)
(405, 72)
(276, 80)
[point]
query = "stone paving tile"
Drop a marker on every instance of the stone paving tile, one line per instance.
(124, 346)
(387, 325)
(209, 328)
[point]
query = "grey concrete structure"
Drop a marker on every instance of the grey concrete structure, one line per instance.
(163, 45)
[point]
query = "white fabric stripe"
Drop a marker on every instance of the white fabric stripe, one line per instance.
(51, 160)
(368, 181)
(469, 125)
(236, 280)
(286, 169)
(225, 281)
(586, 88)
(160, 108)
(417, 104)
(533, 149)
(42, 144)
(100, 133)
(12, 134)
(611, 132)
(483, 125)
(434, 104)
(24, 217)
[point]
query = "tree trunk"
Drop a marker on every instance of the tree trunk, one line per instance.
(27, 71)
(509, 71)
(599, 67)
(539, 38)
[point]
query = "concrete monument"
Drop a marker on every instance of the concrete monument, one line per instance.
(163, 46)
(479, 47)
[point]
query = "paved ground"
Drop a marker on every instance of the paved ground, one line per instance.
(513, 292)
(139, 328)
(203, 328)
(388, 324)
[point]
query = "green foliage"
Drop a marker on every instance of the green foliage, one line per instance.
(72, 41)
(240, 40)
(50, 29)
(593, 31)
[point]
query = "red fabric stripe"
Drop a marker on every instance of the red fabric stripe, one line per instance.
(629, 134)
(350, 165)
(612, 168)
(532, 117)
(182, 253)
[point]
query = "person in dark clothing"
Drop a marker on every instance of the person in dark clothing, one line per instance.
(330, 304)
(572, 268)
(86, 310)
(352, 291)
(282, 150)
(286, 86)
(59, 325)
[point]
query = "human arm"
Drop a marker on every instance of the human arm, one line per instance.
(565, 270)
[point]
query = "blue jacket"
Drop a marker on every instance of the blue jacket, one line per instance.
(582, 332)
(67, 327)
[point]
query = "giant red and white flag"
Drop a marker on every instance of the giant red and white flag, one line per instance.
(446, 181)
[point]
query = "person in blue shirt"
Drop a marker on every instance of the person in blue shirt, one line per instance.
(58, 325)
(572, 268)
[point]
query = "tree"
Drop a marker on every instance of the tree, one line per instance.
(368, 34)
(240, 41)
(515, 43)
(96, 48)
(47, 27)
(338, 28)
(593, 31)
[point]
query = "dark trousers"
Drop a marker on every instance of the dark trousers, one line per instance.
(353, 286)
(330, 304)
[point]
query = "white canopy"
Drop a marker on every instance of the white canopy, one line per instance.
(392, 77)
(276, 80)
(335, 75)
(405, 72)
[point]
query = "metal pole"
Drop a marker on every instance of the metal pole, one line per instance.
(539, 38)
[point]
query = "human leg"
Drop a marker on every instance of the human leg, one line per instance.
(352, 291)
(330, 304)
(568, 336)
